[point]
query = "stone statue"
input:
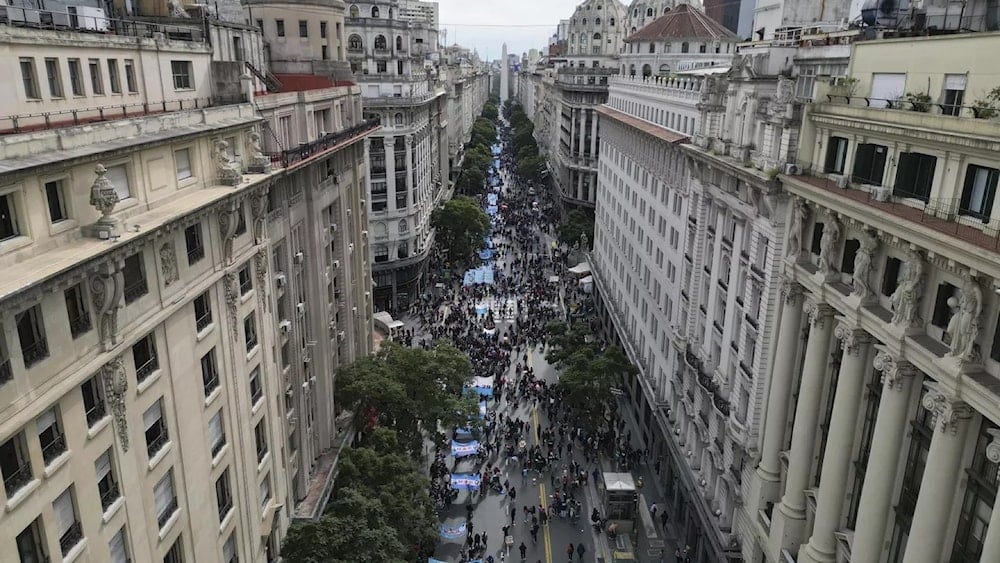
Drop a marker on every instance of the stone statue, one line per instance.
(103, 196)
(905, 301)
(800, 212)
(177, 10)
(828, 246)
(229, 173)
(964, 324)
(863, 264)
(786, 91)
(115, 386)
(107, 291)
(168, 263)
(584, 242)
(259, 164)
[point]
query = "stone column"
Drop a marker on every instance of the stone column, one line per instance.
(991, 544)
(822, 546)
(408, 143)
(572, 132)
(389, 148)
(593, 137)
(789, 519)
(782, 375)
(880, 475)
(941, 474)
(581, 129)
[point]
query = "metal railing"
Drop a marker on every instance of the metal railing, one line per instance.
(136, 290)
(79, 116)
(168, 511)
(158, 441)
(54, 448)
(916, 106)
(67, 21)
(13, 481)
(80, 324)
(72, 537)
(6, 373)
(288, 157)
(109, 496)
(35, 352)
(96, 413)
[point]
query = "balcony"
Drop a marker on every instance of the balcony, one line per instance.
(65, 22)
(15, 480)
(168, 511)
(320, 485)
(35, 352)
(291, 157)
(6, 374)
(72, 537)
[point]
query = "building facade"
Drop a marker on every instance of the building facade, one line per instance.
(682, 39)
(886, 357)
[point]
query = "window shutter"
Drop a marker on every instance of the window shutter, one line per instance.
(63, 508)
(954, 81)
(229, 550)
(103, 465)
(45, 420)
(153, 414)
(163, 493)
(215, 429)
(117, 547)
(119, 179)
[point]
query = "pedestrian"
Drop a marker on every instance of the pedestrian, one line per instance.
(524, 550)
(513, 514)
(652, 510)
(580, 550)
(534, 534)
(570, 550)
(663, 519)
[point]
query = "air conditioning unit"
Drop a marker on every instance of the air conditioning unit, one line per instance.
(354, 310)
(341, 336)
(841, 182)
(364, 234)
(336, 264)
(880, 193)
(364, 202)
(350, 248)
(306, 358)
(792, 169)
(336, 179)
(279, 280)
(285, 327)
(333, 227)
(368, 294)
(348, 211)
(300, 257)
(300, 308)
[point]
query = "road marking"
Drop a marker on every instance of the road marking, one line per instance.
(546, 538)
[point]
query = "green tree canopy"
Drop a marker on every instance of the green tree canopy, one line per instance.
(357, 532)
(531, 167)
(490, 112)
(578, 222)
(461, 225)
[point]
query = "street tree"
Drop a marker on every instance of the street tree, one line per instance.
(461, 225)
(576, 224)
(354, 530)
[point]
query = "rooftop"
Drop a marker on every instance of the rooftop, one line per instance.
(646, 127)
(304, 82)
(683, 22)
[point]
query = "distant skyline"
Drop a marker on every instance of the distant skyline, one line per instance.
(484, 26)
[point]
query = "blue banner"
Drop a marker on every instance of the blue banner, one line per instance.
(463, 432)
(484, 390)
(486, 254)
(458, 449)
(432, 560)
(452, 532)
(482, 409)
(491, 199)
(465, 481)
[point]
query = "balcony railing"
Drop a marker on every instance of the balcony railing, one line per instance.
(21, 476)
(109, 496)
(100, 25)
(135, 290)
(72, 537)
(6, 373)
(168, 511)
(96, 413)
(80, 324)
(918, 106)
(289, 157)
(157, 443)
(35, 352)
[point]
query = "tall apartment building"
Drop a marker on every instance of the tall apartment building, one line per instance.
(887, 361)
(468, 85)
(680, 40)
(396, 63)
(641, 13)
(151, 235)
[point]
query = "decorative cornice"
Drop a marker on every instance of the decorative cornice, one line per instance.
(818, 313)
(949, 411)
(791, 291)
(894, 370)
(993, 448)
(115, 386)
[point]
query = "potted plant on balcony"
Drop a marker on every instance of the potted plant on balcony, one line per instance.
(987, 106)
(919, 101)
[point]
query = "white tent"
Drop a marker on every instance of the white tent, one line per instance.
(580, 269)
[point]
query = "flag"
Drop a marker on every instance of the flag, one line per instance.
(459, 449)
(465, 481)
(452, 532)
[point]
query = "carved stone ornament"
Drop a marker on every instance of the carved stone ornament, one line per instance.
(168, 263)
(790, 291)
(993, 448)
(828, 244)
(258, 208)
(228, 221)
(850, 338)
(115, 386)
(259, 164)
(260, 264)
(103, 196)
(948, 410)
(232, 286)
(863, 265)
(796, 231)
(107, 290)
(893, 370)
(964, 325)
(818, 313)
(227, 170)
(905, 301)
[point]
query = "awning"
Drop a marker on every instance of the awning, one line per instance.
(580, 269)
(587, 280)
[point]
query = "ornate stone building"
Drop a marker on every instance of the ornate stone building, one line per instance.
(680, 40)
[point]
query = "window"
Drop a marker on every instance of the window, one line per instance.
(265, 491)
(31, 543)
(890, 279)
(685, 47)
(380, 67)
(119, 547)
(374, 11)
(836, 155)
(56, 201)
(166, 502)
(31, 334)
(8, 217)
(280, 27)
(15, 464)
(851, 247)
(246, 280)
(324, 52)
(216, 433)
(116, 82)
(869, 164)
(260, 438)
(303, 28)
(93, 400)
(130, 77)
(209, 372)
(181, 71)
(96, 79)
(942, 312)
(954, 94)
(29, 79)
(107, 485)
(156, 429)
(322, 30)
(202, 311)
(256, 391)
(144, 357)
(76, 77)
(192, 241)
(182, 163)
(54, 76)
(119, 179)
(241, 220)
(76, 309)
(354, 43)
(978, 504)
(135, 278)
(872, 399)
(979, 192)
(250, 331)
(380, 43)
(915, 175)
(223, 496)
(67, 526)
(229, 550)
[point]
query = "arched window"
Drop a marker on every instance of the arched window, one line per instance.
(664, 69)
(649, 12)
(611, 22)
(399, 43)
(647, 71)
(701, 48)
(404, 227)
(623, 70)
(667, 9)
(355, 12)
(633, 29)
(381, 253)
(684, 47)
(667, 47)
(380, 42)
(599, 6)
(584, 21)
(374, 11)
(652, 48)
(354, 43)
(597, 37)
(597, 21)
(397, 119)
(631, 70)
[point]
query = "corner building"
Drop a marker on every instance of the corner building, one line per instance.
(881, 440)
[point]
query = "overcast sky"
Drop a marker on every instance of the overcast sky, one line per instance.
(486, 24)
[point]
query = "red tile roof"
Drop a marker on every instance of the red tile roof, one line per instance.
(653, 129)
(303, 82)
(683, 22)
